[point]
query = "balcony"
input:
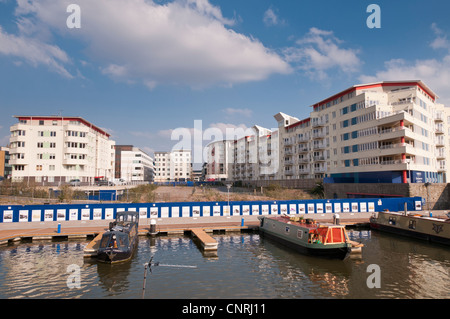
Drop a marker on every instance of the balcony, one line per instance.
(320, 146)
(289, 172)
(318, 135)
(303, 149)
(302, 160)
(318, 123)
(319, 158)
(303, 138)
(438, 117)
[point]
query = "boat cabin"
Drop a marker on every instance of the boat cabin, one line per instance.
(115, 240)
(127, 218)
(327, 235)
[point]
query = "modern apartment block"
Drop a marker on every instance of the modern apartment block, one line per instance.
(53, 150)
(133, 165)
(173, 166)
(384, 132)
(5, 166)
(218, 160)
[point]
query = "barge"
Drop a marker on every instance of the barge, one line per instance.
(308, 236)
(415, 225)
(121, 240)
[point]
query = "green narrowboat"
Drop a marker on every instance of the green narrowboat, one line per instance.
(307, 236)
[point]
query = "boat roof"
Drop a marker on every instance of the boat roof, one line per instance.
(287, 220)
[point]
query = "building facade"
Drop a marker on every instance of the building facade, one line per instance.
(218, 160)
(133, 165)
(384, 132)
(5, 166)
(174, 166)
(53, 150)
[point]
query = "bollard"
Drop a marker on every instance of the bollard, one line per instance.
(59, 228)
(336, 219)
(152, 231)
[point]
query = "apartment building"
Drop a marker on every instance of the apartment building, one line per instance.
(173, 166)
(384, 132)
(53, 150)
(5, 166)
(133, 165)
(218, 160)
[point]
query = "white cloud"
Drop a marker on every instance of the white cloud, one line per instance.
(320, 51)
(441, 41)
(434, 72)
(270, 18)
(240, 112)
(185, 42)
(35, 52)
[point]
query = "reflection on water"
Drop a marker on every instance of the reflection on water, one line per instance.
(245, 266)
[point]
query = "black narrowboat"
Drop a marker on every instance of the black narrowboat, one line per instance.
(120, 241)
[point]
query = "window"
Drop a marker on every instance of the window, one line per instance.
(392, 221)
(38, 167)
(412, 224)
(41, 122)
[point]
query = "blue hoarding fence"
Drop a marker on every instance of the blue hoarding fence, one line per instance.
(61, 212)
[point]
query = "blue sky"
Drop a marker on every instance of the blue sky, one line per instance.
(140, 69)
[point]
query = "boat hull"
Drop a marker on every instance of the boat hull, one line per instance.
(410, 233)
(114, 255)
(340, 252)
(299, 237)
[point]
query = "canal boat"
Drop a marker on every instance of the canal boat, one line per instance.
(307, 236)
(433, 229)
(120, 241)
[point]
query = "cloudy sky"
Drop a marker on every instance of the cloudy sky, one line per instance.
(144, 70)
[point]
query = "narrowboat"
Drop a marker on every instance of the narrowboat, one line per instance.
(415, 225)
(307, 236)
(120, 241)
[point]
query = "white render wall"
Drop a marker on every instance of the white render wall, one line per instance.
(173, 166)
(48, 150)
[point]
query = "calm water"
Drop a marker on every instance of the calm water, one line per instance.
(246, 266)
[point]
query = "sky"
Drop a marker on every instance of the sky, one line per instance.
(163, 74)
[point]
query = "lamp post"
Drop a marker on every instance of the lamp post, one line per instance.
(228, 185)
(428, 202)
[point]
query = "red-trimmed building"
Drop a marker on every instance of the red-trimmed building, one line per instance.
(53, 150)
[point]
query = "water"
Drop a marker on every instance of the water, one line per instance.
(246, 266)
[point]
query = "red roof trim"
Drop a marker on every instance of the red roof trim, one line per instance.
(65, 118)
(298, 123)
(363, 87)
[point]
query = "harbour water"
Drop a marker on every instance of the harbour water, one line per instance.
(246, 266)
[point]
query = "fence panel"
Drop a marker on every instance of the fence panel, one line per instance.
(61, 212)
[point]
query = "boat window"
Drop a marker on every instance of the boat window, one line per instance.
(122, 240)
(391, 220)
(104, 242)
(412, 224)
(299, 233)
(287, 229)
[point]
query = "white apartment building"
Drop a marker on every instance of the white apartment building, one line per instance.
(389, 132)
(218, 160)
(54, 149)
(173, 166)
(133, 165)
